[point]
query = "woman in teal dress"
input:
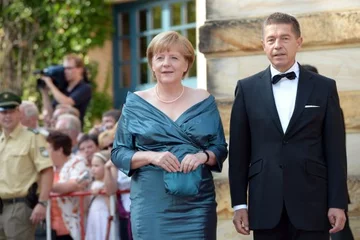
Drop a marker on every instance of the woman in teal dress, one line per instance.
(169, 139)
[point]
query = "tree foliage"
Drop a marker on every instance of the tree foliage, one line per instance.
(37, 33)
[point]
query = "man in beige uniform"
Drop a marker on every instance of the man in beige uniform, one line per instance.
(24, 161)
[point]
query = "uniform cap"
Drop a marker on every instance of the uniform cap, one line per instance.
(9, 100)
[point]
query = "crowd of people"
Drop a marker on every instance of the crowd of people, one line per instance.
(80, 162)
(287, 156)
(56, 156)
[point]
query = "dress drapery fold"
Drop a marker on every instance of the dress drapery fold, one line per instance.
(170, 205)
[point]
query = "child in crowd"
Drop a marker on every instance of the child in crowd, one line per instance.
(117, 180)
(97, 222)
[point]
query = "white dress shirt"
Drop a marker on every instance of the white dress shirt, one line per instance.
(284, 95)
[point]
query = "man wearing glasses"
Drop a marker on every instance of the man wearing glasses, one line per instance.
(77, 93)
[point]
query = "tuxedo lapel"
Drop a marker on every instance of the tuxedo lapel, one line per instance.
(268, 97)
(305, 87)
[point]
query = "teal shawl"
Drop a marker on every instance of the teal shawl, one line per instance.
(143, 127)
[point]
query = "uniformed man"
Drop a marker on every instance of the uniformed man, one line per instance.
(24, 163)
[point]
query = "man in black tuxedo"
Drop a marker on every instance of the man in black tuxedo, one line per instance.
(287, 145)
(346, 233)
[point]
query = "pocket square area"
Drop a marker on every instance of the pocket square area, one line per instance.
(311, 106)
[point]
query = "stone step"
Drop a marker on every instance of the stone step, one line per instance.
(355, 226)
(227, 231)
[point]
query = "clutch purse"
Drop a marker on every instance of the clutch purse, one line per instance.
(183, 184)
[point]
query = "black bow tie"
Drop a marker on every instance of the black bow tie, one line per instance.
(289, 75)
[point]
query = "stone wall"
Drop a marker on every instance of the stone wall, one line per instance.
(231, 42)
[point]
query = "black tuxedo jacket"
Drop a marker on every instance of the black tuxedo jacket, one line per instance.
(303, 169)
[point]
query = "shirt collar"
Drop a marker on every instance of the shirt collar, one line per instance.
(16, 131)
(13, 134)
(294, 68)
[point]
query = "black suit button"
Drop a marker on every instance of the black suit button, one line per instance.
(280, 166)
(285, 142)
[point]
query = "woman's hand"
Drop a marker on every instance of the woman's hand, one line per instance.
(165, 160)
(96, 191)
(192, 161)
(109, 164)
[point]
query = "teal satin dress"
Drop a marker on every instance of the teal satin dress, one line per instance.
(164, 205)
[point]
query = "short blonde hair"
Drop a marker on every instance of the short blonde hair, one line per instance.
(104, 155)
(106, 135)
(166, 40)
(79, 63)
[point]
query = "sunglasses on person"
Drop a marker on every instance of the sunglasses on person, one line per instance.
(108, 146)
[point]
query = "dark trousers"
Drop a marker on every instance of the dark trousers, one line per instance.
(286, 231)
(345, 234)
(64, 237)
(125, 229)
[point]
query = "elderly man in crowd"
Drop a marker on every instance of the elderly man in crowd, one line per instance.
(70, 125)
(62, 109)
(29, 114)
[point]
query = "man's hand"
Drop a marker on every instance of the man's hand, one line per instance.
(241, 221)
(47, 80)
(82, 185)
(337, 219)
(38, 214)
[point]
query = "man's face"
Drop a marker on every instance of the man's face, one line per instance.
(108, 122)
(280, 45)
(72, 73)
(87, 149)
(27, 121)
(9, 119)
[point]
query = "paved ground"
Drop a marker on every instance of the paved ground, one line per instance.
(226, 230)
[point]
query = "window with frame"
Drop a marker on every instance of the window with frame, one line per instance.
(136, 24)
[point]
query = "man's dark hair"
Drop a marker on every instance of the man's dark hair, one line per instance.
(114, 113)
(88, 137)
(283, 18)
(60, 140)
(310, 68)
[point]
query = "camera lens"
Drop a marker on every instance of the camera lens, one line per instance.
(40, 84)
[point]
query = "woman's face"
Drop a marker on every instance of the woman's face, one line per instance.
(97, 168)
(55, 155)
(169, 66)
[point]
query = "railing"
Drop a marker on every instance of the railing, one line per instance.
(81, 196)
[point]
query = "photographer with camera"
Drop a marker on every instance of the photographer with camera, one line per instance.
(26, 173)
(77, 92)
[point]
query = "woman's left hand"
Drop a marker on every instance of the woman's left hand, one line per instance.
(192, 161)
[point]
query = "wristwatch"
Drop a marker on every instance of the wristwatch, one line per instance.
(43, 203)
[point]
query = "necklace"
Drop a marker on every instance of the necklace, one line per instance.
(170, 101)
